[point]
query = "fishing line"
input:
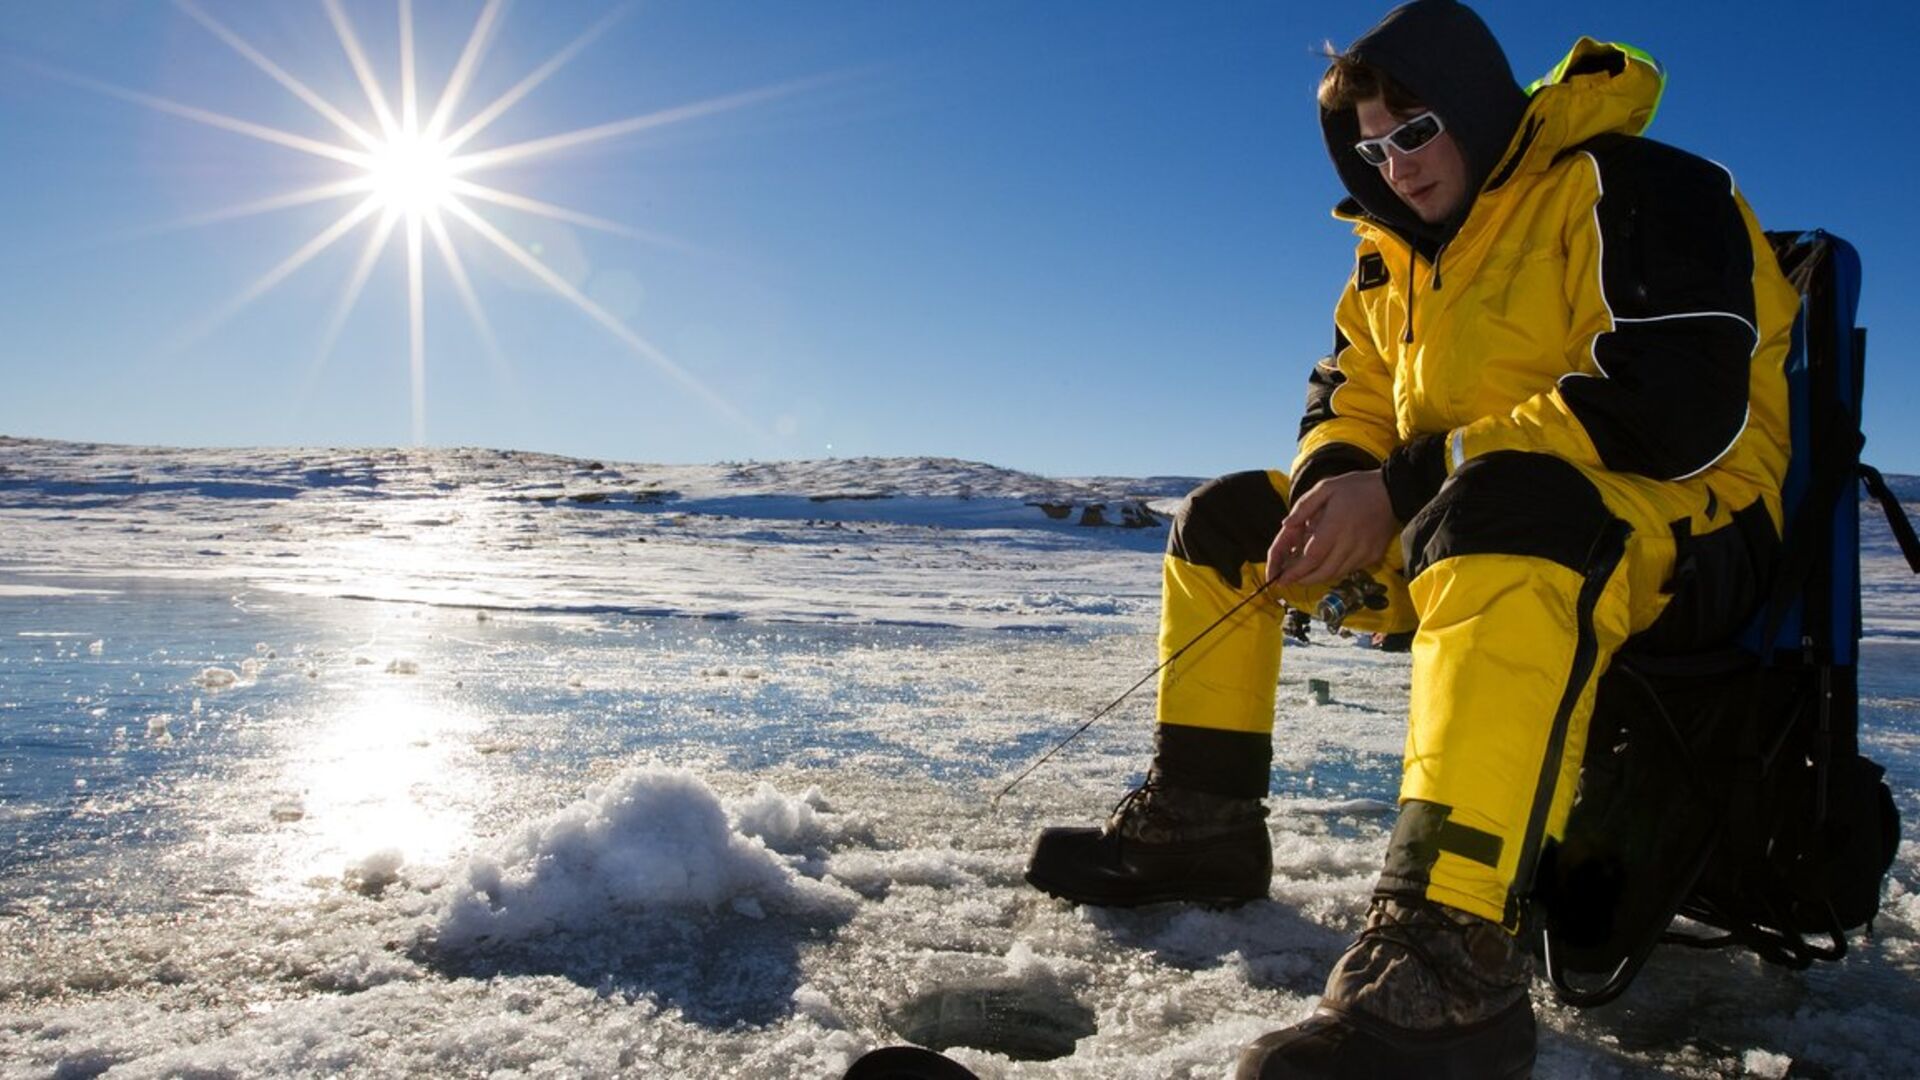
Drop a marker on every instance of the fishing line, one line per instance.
(1115, 703)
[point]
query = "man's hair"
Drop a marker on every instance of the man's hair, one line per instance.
(1348, 82)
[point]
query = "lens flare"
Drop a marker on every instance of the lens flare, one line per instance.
(407, 178)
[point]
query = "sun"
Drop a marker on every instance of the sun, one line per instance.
(409, 181)
(412, 175)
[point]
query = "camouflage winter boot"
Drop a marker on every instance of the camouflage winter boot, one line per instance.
(1162, 843)
(1426, 991)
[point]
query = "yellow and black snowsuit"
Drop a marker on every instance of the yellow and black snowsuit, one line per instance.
(1576, 398)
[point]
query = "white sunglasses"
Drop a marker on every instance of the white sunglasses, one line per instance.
(1408, 138)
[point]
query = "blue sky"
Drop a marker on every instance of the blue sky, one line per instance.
(1070, 237)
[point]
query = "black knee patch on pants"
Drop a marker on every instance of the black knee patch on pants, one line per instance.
(1227, 523)
(1510, 503)
(1238, 764)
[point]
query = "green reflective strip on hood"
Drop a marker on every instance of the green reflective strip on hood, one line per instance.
(1644, 57)
(1586, 48)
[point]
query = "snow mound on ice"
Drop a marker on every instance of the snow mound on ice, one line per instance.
(785, 823)
(651, 839)
(216, 678)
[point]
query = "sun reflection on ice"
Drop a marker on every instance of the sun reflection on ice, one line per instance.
(459, 553)
(382, 781)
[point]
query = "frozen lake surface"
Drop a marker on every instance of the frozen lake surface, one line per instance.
(473, 763)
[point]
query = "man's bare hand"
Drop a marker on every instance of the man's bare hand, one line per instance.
(1344, 524)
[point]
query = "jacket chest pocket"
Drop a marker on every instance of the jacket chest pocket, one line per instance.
(1506, 335)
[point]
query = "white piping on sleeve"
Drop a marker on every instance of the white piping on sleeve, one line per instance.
(1751, 329)
(1599, 262)
(1613, 321)
(1745, 416)
(1732, 188)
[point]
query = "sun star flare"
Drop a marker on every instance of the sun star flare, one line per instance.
(406, 179)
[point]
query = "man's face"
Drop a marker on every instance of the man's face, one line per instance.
(1432, 180)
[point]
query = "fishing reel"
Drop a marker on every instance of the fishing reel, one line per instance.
(1356, 592)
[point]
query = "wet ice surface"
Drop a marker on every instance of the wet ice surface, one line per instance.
(379, 764)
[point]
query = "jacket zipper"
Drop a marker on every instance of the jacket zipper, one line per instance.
(1407, 338)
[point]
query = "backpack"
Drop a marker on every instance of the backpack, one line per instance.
(1727, 787)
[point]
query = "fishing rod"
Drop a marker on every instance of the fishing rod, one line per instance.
(1115, 703)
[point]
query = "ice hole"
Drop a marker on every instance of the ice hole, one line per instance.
(1025, 1023)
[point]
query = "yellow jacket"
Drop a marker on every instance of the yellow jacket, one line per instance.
(1607, 299)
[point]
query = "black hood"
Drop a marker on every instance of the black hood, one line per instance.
(1445, 56)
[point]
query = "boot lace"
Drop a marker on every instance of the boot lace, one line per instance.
(1437, 940)
(1138, 803)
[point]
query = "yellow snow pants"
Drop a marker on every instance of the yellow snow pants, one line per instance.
(1521, 579)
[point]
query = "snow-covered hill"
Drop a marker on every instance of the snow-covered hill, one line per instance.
(833, 539)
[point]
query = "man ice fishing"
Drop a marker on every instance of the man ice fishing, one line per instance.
(1553, 419)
